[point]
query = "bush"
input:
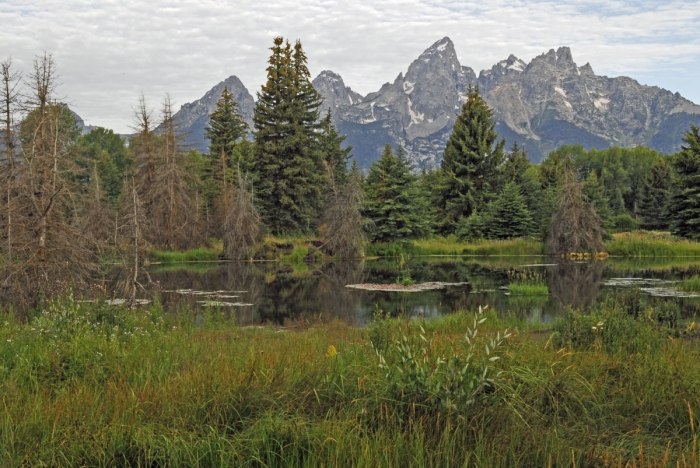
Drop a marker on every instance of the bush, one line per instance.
(624, 223)
(472, 228)
(421, 372)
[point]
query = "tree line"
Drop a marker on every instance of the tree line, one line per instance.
(68, 200)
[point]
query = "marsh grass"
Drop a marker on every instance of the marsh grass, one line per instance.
(528, 288)
(91, 385)
(448, 246)
(201, 254)
(691, 284)
(651, 244)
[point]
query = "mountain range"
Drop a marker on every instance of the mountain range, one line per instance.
(542, 105)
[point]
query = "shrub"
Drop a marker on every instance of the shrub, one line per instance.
(624, 223)
(421, 372)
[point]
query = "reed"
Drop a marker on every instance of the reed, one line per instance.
(201, 254)
(90, 385)
(646, 244)
(447, 246)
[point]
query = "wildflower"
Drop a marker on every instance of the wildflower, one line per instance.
(331, 351)
(594, 328)
(600, 324)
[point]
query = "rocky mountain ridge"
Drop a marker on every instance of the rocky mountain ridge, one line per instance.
(542, 104)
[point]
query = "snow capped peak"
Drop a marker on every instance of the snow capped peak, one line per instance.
(444, 44)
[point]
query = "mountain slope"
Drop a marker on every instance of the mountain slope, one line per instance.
(544, 104)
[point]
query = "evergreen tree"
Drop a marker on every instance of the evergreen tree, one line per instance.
(471, 161)
(288, 162)
(685, 204)
(226, 127)
(509, 215)
(392, 201)
(594, 191)
(656, 193)
(330, 146)
(515, 165)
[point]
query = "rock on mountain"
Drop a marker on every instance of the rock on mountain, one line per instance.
(543, 104)
(193, 118)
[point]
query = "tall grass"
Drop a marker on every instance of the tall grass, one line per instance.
(643, 244)
(447, 246)
(691, 284)
(94, 386)
(201, 254)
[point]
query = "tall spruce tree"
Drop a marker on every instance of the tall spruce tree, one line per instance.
(288, 162)
(594, 191)
(393, 204)
(656, 193)
(471, 162)
(225, 131)
(685, 204)
(332, 151)
(509, 216)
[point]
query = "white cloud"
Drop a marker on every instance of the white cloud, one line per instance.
(109, 51)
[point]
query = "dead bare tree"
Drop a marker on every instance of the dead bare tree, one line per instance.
(134, 219)
(9, 100)
(97, 221)
(575, 226)
(163, 186)
(242, 222)
(46, 239)
(342, 229)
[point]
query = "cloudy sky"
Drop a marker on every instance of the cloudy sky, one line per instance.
(109, 51)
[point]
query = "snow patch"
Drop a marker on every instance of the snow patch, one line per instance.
(517, 66)
(373, 119)
(408, 87)
(560, 91)
(416, 117)
(578, 71)
(601, 103)
(503, 63)
(568, 104)
(442, 47)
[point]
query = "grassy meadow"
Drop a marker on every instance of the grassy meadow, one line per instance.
(90, 385)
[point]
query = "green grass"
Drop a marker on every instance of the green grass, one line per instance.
(88, 385)
(691, 284)
(650, 244)
(446, 246)
(201, 254)
(528, 288)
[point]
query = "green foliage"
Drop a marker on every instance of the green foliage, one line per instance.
(105, 151)
(331, 148)
(421, 373)
(226, 127)
(200, 254)
(624, 223)
(528, 288)
(626, 322)
(651, 245)
(288, 162)
(685, 203)
(473, 227)
(656, 193)
(595, 195)
(508, 215)
(393, 206)
(471, 162)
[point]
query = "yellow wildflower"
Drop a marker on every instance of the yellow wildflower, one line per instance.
(331, 351)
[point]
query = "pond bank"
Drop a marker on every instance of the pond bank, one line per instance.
(84, 386)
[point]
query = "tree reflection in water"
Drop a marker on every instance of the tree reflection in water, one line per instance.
(576, 284)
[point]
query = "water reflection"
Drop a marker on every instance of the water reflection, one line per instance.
(278, 292)
(576, 284)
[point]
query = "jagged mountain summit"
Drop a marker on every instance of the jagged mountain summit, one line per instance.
(193, 118)
(542, 105)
